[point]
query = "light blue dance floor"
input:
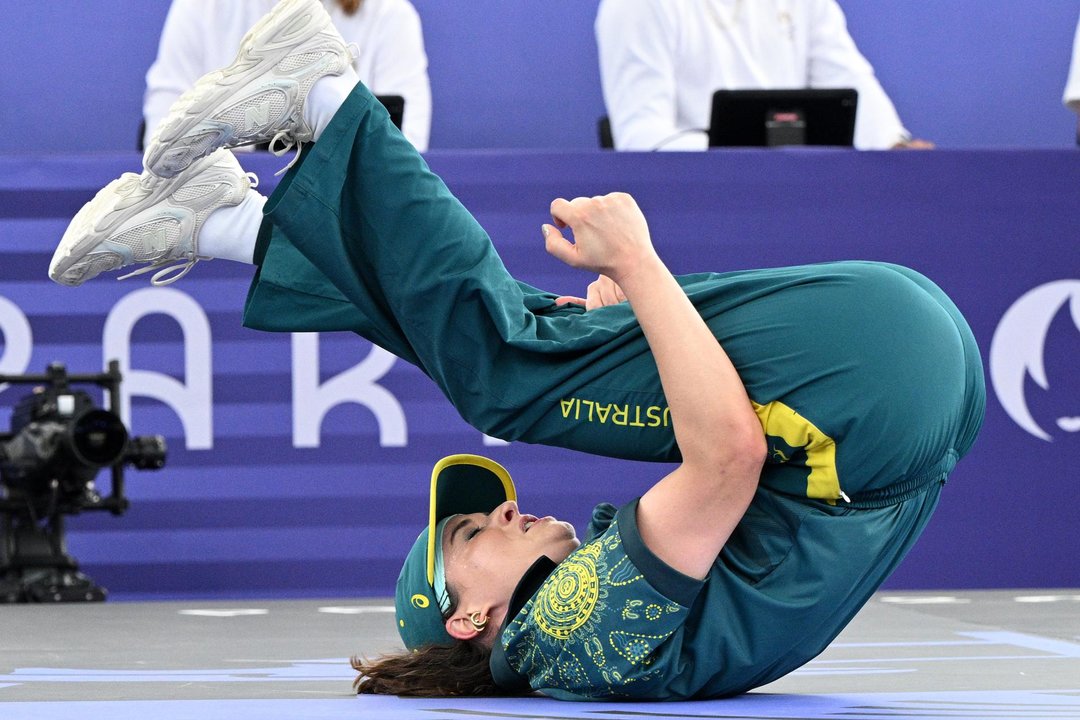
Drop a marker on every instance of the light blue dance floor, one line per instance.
(977, 655)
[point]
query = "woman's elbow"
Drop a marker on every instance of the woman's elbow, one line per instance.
(746, 452)
(757, 450)
(741, 453)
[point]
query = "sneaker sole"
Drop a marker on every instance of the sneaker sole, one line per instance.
(97, 221)
(289, 24)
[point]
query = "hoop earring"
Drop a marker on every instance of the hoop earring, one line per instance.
(477, 623)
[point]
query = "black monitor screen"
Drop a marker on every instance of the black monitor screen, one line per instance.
(764, 118)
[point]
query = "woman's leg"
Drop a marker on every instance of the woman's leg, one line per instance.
(362, 222)
(852, 365)
(975, 382)
(866, 379)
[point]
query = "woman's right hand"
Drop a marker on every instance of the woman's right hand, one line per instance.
(611, 236)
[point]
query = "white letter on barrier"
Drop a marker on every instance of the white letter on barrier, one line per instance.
(18, 340)
(311, 401)
(193, 400)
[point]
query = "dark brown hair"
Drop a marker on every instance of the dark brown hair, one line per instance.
(350, 6)
(458, 670)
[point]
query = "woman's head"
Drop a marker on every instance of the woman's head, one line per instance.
(459, 575)
(485, 555)
(457, 582)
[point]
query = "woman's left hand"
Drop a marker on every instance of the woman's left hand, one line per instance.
(601, 292)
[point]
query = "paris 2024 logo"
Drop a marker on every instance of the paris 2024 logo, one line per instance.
(1019, 351)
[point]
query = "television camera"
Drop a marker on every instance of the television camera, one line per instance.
(59, 441)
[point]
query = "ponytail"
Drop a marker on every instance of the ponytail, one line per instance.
(458, 670)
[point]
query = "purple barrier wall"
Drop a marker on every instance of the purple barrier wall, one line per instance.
(266, 495)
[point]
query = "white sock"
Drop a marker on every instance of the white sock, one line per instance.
(326, 96)
(231, 231)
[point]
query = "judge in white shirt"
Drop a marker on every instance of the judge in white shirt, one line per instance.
(662, 60)
(1072, 86)
(202, 35)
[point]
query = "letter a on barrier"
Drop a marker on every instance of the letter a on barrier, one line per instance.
(192, 400)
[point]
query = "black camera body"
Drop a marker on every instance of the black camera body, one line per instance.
(59, 441)
(59, 436)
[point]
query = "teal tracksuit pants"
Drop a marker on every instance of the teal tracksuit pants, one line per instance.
(865, 376)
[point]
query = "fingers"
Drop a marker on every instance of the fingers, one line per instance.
(557, 246)
(613, 294)
(606, 291)
(571, 300)
(569, 213)
(609, 233)
(603, 292)
(592, 297)
(560, 212)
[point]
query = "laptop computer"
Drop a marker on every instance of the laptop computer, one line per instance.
(770, 118)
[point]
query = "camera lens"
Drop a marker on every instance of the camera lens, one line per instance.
(98, 438)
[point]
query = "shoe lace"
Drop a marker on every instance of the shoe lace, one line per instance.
(168, 269)
(287, 144)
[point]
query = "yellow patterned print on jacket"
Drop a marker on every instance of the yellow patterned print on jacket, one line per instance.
(596, 627)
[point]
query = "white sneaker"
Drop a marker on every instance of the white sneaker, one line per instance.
(147, 219)
(260, 96)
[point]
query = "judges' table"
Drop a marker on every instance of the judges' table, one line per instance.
(299, 464)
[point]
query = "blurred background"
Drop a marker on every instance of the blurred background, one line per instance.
(521, 74)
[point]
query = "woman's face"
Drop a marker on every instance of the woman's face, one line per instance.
(490, 553)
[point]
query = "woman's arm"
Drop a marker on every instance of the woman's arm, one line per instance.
(685, 518)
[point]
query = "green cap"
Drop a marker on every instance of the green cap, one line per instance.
(460, 484)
